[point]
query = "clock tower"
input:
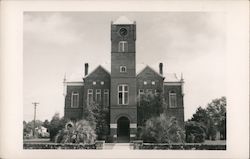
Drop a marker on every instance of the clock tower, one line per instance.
(123, 110)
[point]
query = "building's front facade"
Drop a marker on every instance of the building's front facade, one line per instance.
(119, 90)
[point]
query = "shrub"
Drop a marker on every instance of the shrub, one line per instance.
(195, 132)
(79, 132)
(162, 129)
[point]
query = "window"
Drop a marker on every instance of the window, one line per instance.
(106, 97)
(75, 99)
(98, 96)
(123, 69)
(172, 100)
(102, 82)
(94, 82)
(145, 82)
(153, 82)
(123, 46)
(123, 94)
(141, 92)
(90, 96)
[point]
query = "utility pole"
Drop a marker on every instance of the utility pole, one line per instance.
(35, 105)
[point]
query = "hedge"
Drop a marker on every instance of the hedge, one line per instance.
(185, 146)
(58, 146)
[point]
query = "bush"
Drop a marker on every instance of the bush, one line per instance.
(79, 132)
(195, 132)
(162, 129)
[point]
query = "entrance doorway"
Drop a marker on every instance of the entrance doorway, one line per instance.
(123, 130)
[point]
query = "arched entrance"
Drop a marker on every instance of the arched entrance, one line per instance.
(123, 130)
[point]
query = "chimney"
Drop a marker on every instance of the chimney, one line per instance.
(161, 68)
(86, 69)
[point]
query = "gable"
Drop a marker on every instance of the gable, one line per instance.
(99, 72)
(148, 72)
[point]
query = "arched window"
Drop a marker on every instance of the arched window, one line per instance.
(123, 69)
(123, 94)
(172, 99)
(123, 46)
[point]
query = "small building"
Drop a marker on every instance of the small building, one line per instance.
(119, 89)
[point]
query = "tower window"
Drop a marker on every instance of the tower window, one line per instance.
(145, 82)
(153, 82)
(123, 94)
(123, 69)
(98, 96)
(102, 82)
(75, 99)
(123, 46)
(94, 82)
(172, 99)
(90, 96)
(106, 97)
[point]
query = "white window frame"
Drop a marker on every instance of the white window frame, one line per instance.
(90, 92)
(98, 92)
(72, 99)
(106, 92)
(121, 67)
(122, 46)
(170, 101)
(123, 94)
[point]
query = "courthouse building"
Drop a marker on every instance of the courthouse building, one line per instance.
(119, 89)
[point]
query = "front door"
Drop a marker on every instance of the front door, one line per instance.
(123, 132)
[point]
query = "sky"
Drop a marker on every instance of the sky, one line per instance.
(56, 44)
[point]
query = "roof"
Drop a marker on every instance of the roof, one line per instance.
(169, 77)
(123, 20)
(148, 67)
(75, 77)
(96, 69)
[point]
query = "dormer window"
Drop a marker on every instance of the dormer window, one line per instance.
(123, 69)
(123, 46)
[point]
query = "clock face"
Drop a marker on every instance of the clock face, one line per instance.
(123, 31)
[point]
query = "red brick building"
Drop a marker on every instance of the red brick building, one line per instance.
(119, 89)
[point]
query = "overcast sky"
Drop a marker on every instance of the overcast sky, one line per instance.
(55, 43)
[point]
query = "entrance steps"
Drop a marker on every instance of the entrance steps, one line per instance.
(118, 146)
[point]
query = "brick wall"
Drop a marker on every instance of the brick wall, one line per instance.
(177, 112)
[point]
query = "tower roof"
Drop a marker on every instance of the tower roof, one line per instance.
(123, 20)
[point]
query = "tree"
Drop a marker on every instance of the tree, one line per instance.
(195, 132)
(213, 118)
(46, 124)
(98, 116)
(150, 105)
(56, 124)
(217, 113)
(162, 129)
(79, 132)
